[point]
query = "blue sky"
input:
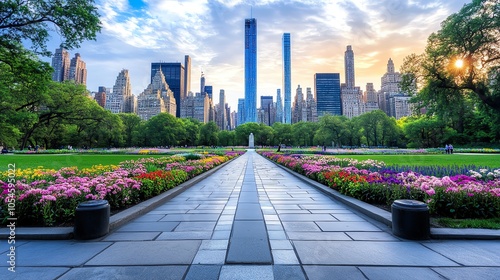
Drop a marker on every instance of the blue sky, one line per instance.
(136, 33)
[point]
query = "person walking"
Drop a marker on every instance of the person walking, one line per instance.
(447, 149)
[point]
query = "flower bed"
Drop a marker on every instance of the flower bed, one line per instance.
(472, 195)
(45, 197)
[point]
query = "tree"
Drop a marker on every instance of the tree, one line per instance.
(461, 60)
(331, 129)
(31, 20)
(378, 128)
(131, 123)
(163, 130)
(208, 134)
(243, 132)
(192, 128)
(282, 133)
(226, 138)
(426, 132)
(303, 133)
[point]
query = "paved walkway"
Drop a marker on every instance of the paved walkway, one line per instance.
(215, 230)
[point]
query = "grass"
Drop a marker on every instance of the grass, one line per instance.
(493, 223)
(66, 160)
(492, 161)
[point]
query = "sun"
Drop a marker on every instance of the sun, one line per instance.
(459, 63)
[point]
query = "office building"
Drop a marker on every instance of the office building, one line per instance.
(174, 73)
(250, 70)
(351, 95)
(221, 111)
(187, 76)
(121, 99)
(196, 107)
(279, 107)
(287, 78)
(60, 63)
(327, 93)
(78, 70)
(241, 112)
(311, 106)
(100, 97)
(299, 108)
(156, 98)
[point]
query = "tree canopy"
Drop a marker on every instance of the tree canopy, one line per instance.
(33, 20)
(461, 60)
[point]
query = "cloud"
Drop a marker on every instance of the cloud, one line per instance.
(137, 33)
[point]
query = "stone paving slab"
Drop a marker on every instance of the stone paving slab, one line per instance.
(347, 226)
(147, 253)
(398, 273)
(149, 226)
(127, 272)
(472, 253)
(33, 273)
(369, 253)
(333, 272)
(245, 272)
(57, 253)
(203, 272)
(483, 273)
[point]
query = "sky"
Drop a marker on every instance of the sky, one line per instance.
(136, 33)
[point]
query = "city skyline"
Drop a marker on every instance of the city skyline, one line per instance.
(137, 33)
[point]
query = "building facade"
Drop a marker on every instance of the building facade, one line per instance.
(156, 98)
(100, 97)
(196, 107)
(279, 107)
(311, 106)
(187, 76)
(287, 78)
(351, 95)
(174, 73)
(250, 70)
(60, 63)
(327, 93)
(78, 70)
(299, 108)
(121, 99)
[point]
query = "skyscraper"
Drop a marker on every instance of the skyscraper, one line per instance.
(78, 70)
(279, 107)
(156, 98)
(351, 95)
(187, 76)
(60, 63)
(349, 67)
(221, 111)
(202, 83)
(267, 109)
(287, 78)
(174, 76)
(241, 112)
(327, 92)
(250, 70)
(121, 100)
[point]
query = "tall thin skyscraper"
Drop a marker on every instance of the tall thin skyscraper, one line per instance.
(279, 107)
(174, 76)
(202, 83)
(287, 78)
(60, 63)
(187, 76)
(250, 70)
(327, 91)
(349, 67)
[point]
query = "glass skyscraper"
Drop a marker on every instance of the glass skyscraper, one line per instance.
(327, 86)
(287, 78)
(174, 75)
(250, 70)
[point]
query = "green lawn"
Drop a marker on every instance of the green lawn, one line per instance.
(65, 160)
(492, 161)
